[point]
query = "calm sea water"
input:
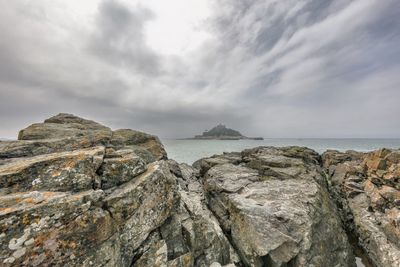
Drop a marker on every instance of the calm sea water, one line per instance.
(189, 151)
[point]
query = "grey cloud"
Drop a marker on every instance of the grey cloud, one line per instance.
(120, 38)
(273, 68)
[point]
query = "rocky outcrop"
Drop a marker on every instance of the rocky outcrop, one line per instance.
(192, 236)
(366, 187)
(76, 193)
(66, 132)
(273, 205)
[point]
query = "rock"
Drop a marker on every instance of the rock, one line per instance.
(119, 167)
(192, 235)
(376, 164)
(372, 212)
(141, 206)
(275, 210)
(203, 165)
(63, 171)
(334, 157)
(65, 224)
(194, 227)
(145, 145)
(30, 148)
(231, 178)
(75, 193)
(283, 163)
(67, 125)
(68, 132)
(56, 221)
(156, 255)
(52, 210)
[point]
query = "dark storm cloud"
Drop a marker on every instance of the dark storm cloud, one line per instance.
(274, 68)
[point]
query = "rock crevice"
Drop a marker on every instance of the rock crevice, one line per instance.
(366, 188)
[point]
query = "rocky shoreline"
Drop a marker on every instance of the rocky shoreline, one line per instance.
(75, 193)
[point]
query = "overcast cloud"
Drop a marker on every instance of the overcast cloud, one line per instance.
(293, 68)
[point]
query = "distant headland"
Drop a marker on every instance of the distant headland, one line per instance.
(221, 132)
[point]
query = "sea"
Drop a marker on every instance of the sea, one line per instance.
(189, 150)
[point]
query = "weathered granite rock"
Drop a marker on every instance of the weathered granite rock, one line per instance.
(29, 148)
(200, 229)
(366, 187)
(203, 165)
(147, 146)
(119, 167)
(192, 235)
(334, 157)
(66, 125)
(62, 171)
(75, 193)
(71, 195)
(66, 132)
(66, 229)
(275, 209)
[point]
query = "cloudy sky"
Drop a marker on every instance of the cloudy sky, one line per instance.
(277, 68)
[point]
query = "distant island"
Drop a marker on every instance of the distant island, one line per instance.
(221, 132)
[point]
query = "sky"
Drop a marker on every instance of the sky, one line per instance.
(292, 68)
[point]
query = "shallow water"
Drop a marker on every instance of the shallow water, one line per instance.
(189, 151)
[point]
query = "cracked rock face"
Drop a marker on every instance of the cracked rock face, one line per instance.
(366, 187)
(60, 171)
(76, 193)
(73, 196)
(272, 206)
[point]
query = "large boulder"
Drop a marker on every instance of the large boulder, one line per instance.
(67, 126)
(75, 193)
(66, 132)
(366, 187)
(275, 208)
(70, 229)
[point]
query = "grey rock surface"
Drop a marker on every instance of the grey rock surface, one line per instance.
(366, 187)
(76, 193)
(275, 209)
(62, 171)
